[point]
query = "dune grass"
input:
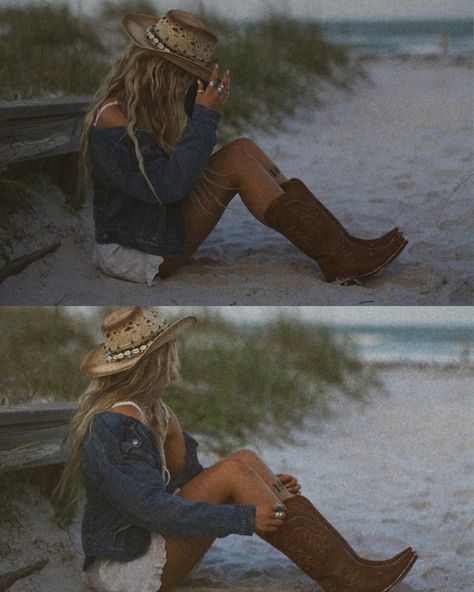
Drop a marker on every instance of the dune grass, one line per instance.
(46, 49)
(238, 383)
(244, 384)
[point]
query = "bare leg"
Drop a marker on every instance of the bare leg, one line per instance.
(245, 169)
(253, 460)
(229, 481)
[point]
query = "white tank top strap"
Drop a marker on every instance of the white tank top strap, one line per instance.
(103, 109)
(137, 407)
(167, 413)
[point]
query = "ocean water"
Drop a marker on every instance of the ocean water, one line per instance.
(411, 344)
(422, 38)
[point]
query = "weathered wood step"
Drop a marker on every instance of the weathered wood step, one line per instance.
(33, 435)
(39, 128)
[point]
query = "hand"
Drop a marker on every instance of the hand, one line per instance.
(290, 483)
(217, 93)
(265, 520)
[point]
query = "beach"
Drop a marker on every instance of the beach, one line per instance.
(396, 151)
(395, 471)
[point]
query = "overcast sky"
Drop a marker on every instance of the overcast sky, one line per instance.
(319, 9)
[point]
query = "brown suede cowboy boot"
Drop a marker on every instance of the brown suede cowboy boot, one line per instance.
(301, 219)
(385, 239)
(321, 552)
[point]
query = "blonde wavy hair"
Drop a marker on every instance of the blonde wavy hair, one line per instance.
(143, 384)
(154, 100)
(152, 95)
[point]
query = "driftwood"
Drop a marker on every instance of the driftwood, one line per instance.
(8, 579)
(21, 263)
(40, 128)
(33, 435)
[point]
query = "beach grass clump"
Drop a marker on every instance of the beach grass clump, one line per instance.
(41, 349)
(276, 65)
(116, 9)
(239, 382)
(244, 384)
(47, 50)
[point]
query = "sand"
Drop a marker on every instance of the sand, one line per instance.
(395, 472)
(391, 153)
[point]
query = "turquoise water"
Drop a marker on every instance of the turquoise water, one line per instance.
(403, 38)
(411, 344)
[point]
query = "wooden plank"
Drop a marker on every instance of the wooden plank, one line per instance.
(35, 413)
(44, 107)
(39, 128)
(33, 435)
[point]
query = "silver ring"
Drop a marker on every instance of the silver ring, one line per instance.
(200, 92)
(220, 90)
(213, 83)
(279, 515)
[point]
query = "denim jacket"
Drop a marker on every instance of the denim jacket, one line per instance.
(126, 497)
(126, 211)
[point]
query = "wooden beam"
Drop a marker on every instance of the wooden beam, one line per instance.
(33, 435)
(39, 128)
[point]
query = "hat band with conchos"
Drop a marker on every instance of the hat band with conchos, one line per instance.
(135, 348)
(153, 36)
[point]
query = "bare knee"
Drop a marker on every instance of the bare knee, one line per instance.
(246, 456)
(245, 144)
(240, 147)
(232, 463)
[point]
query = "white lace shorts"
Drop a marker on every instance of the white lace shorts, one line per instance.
(140, 575)
(127, 264)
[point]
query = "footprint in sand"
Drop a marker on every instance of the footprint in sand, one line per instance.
(432, 195)
(465, 549)
(436, 573)
(464, 252)
(449, 516)
(447, 175)
(420, 504)
(405, 185)
(464, 496)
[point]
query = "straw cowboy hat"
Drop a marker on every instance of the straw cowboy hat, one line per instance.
(178, 37)
(129, 334)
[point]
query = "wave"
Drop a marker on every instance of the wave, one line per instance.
(403, 38)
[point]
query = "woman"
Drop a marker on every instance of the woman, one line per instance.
(152, 511)
(159, 190)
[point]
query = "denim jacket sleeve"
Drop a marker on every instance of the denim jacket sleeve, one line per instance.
(172, 176)
(126, 467)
